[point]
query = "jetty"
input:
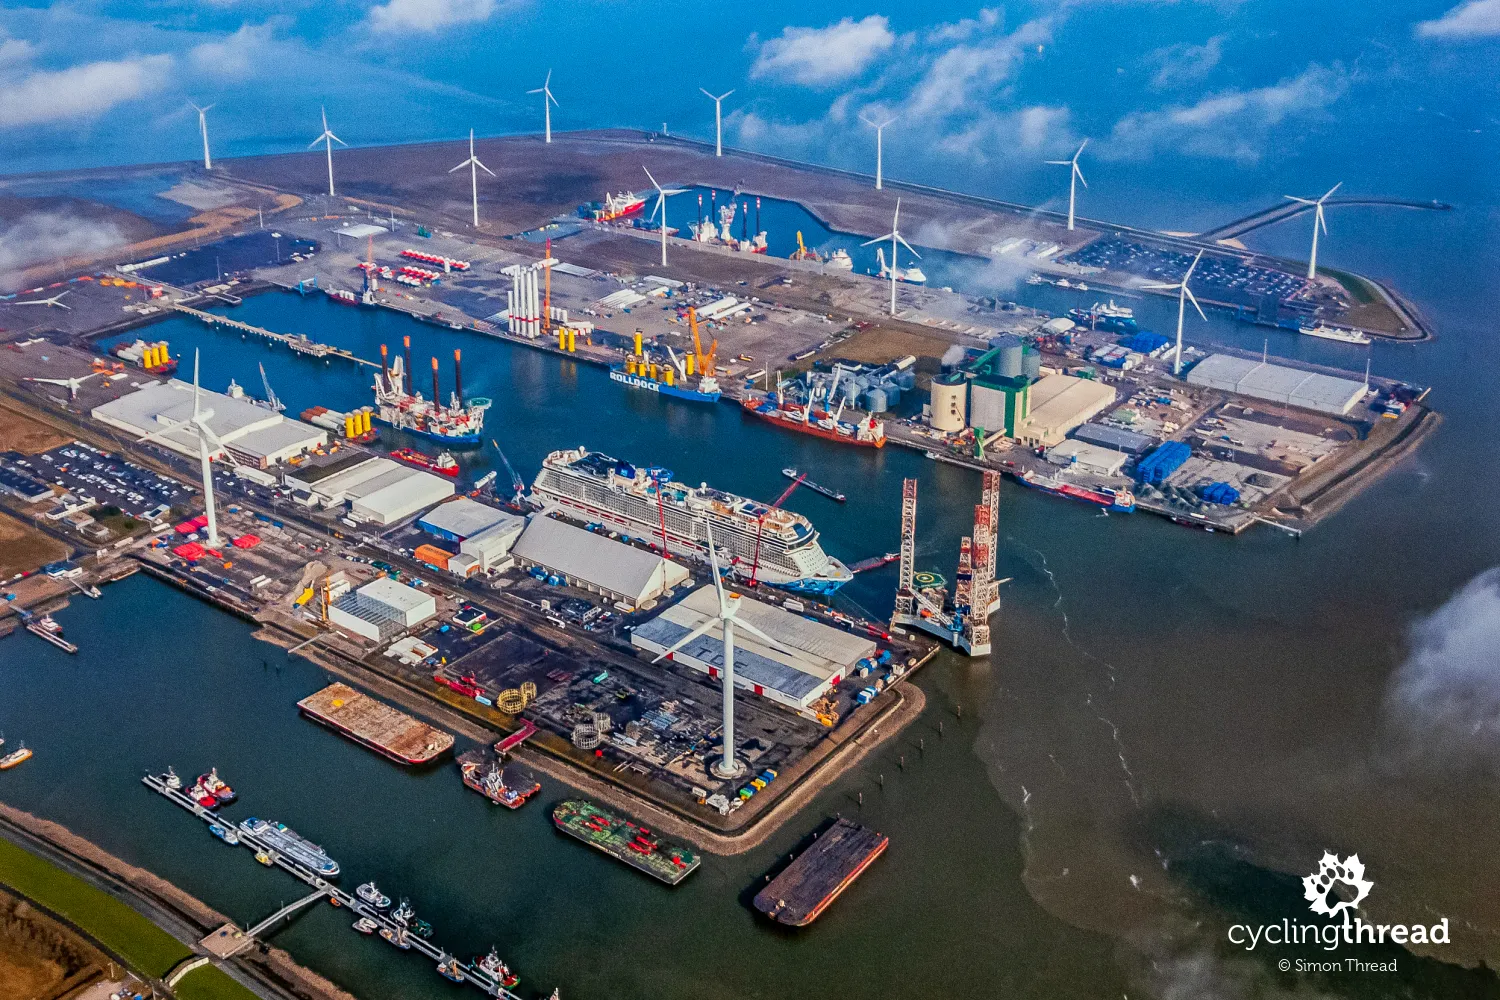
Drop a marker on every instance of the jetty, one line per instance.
(300, 342)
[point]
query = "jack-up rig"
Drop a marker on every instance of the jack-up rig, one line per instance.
(924, 603)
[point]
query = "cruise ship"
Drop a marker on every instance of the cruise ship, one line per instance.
(594, 487)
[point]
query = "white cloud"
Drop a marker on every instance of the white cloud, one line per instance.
(820, 56)
(965, 76)
(14, 51)
(1475, 19)
(1185, 63)
(236, 55)
(48, 235)
(428, 15)
(81, 91)
(1230, 124)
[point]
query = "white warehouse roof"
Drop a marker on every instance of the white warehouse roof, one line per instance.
(585, 557)
(1277, 383)
(461, 518)
(399, 497)
(251, 432)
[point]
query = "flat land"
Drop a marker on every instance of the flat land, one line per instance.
(29, 436)
(210, 983)
(23, 547)
(39, 957)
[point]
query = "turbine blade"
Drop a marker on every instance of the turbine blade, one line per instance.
(713, 552)
(724, 95)
(773, 643)
(1082, 144)
(1300, 201)
(1159, 286)
(547, 82)
(706, 94)
(315, 141)
(695, 633)
(653, 179)
(536, 91)
(1059, 163)
(195, 383)
(163, 431)
(896, 219)
(1194, 264)
(1194, 300)
(878, 239)
(336, 139)
(1322, 221)
(1333, 189)
(481, 166)
(908, 246)
(551, 98)
(1080, 174)
(460, 166)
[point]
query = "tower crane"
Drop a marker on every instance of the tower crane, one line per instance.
(704, 364)
(760, 524)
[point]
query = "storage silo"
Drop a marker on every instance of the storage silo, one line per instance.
(950, 403)
(1010, 358)
(875, 401)
(1031, 363)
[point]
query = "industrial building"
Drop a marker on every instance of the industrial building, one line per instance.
(254, 435)
(1060, 403)
(1118, 438)
(1278, 384)
(460, 518)
(594, 562)
(25, 487)
(377, 490)
(949, 411)
(491, 547)
(824, 655)
(1085, 457)
(1003, 391)
(381, 608)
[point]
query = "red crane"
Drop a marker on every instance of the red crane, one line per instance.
(760, 524)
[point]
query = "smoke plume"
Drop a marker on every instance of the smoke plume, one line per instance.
(39, 236)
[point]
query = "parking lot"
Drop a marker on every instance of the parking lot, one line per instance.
(88, 474)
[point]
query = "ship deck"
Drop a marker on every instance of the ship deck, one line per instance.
(377, 725)
(800, 893)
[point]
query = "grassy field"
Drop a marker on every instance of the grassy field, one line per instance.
(210, 983)
(145, 947)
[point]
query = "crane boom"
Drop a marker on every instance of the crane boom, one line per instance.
(516, 482)
(698, 358)
(760, 524)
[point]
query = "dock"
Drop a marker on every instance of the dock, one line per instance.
(374, 724)
(470, 973)
(38, 628)
(300, 343)
(801, 893)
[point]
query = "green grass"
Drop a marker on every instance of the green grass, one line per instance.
(210, 983)
(1358, 288)
(141, 944)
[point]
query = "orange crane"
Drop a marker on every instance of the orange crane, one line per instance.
(703, 364)
(760, 524)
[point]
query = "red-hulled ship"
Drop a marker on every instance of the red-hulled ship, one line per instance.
(444, 465)
(867, 433)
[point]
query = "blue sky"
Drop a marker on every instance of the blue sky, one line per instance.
(1218, 101)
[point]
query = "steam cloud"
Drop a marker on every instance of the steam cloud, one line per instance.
(39, 236)
(1446, 696)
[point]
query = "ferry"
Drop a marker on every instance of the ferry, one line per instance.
(639, 502)
(456, 425)
(290, 844)
(1324, 332)
(1120, 501)
(444, 465)
(17, 756)
(867, 433)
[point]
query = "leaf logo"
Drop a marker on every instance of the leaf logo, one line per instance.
(1318, 887)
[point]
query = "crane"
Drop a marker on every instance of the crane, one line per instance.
(703, 364)
(760, 524)
(271, 400)
(517, 483)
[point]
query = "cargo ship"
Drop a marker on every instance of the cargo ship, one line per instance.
(648, 504)
(373, 724)
(152, 357)
(505, 786)
(1118, 501)
(342, 296)
(1105, 316)
(1324, 332)
(614, 206)
(444, 465)
(801, 893)
(290, 844)
(624, 841)
(867, 433)
(638, 375)
(459, 424)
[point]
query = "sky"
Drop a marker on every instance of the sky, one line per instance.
(1198, 104)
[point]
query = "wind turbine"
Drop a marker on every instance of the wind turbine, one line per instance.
(879, 137)
(1318, 223)
(1074, 177)
(474, 167)
(1184, 295)
(199, 424)
(208, 163)
(661, 206)
(547, 101)
(71, 383)
(329, 138)
(895, 237)
(726, 620)
(718, 119)
(54, 301)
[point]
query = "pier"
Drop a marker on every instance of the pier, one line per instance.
(300, 343)
(470, 973)
(37, 628)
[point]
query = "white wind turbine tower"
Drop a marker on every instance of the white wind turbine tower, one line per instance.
(895, 237)
(329, 138)
(1318, 223)
(1074, 176)
(1184, 295)
(726, 620)
(208, 163)
(547, 101)
(661, 206)
(198, 422)
(879, 142)
(718, 119)
(474, 167)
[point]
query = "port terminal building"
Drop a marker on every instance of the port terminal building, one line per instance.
(381, 608)
(462, 518)
(1278, 384)
(254, 435)
(824, 655)
(595, 562)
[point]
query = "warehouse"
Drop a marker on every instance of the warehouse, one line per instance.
(491, 547)
(254, 435)
(460, 518)
(823, 655)
(377, 490)
(594, 562)
(1118, 438)
(1278, 384)
(1085, 457)
(381, 608)
(1060, 403)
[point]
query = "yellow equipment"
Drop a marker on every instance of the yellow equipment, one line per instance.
(687, 365)
(349, 430)
(668, 372)
(572, 341)
(637, 343)
(697, 343)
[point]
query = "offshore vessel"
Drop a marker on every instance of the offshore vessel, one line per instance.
(624, 841)
(614, 206)
(509, 786)
(1118, 501)
(720, 231)
(913, 275)
(1325, 332)
(444, 465)
(1106, 316)
(811, 419)
(668, 380)
(456, 425)
(801, 893)
(291, 844)
(648, 504)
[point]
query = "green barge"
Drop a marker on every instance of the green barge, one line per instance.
(625, 841)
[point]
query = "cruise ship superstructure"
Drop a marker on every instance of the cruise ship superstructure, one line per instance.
(638, 501)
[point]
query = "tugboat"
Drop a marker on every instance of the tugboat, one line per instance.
(170, 779)
(403, 911)
(444, 465)
(492, 966)
(366, 926)
(397, 938)
(17, 756)
(215, 786)
(450, 969)
(372, 895)
(203, 795)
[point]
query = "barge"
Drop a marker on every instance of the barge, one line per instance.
(625, 841)
(801, 893)
(373, 724)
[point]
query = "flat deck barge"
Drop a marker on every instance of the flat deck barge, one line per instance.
(625, 841)
(801, 893)
(376, 725)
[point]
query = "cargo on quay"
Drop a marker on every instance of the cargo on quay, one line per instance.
(625, 841)
(801, 893)
(373, 724)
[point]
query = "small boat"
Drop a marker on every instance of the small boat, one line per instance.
(366, 926)
(215, 786)
(1035, 279)
(403, 911)
(17, 756)
(444, 465)
(224, 833)
(266, 858)
(170, 779)
(397, 938)
(372, 895)
(840, 260)
(497, 970)
(421, 928)
(201, 794)
(830, 494)
(450, 969)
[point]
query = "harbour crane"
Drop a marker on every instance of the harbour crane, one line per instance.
(517, 483)
(271, 400)
(71, 383)
(760, 524)
(705, 364)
